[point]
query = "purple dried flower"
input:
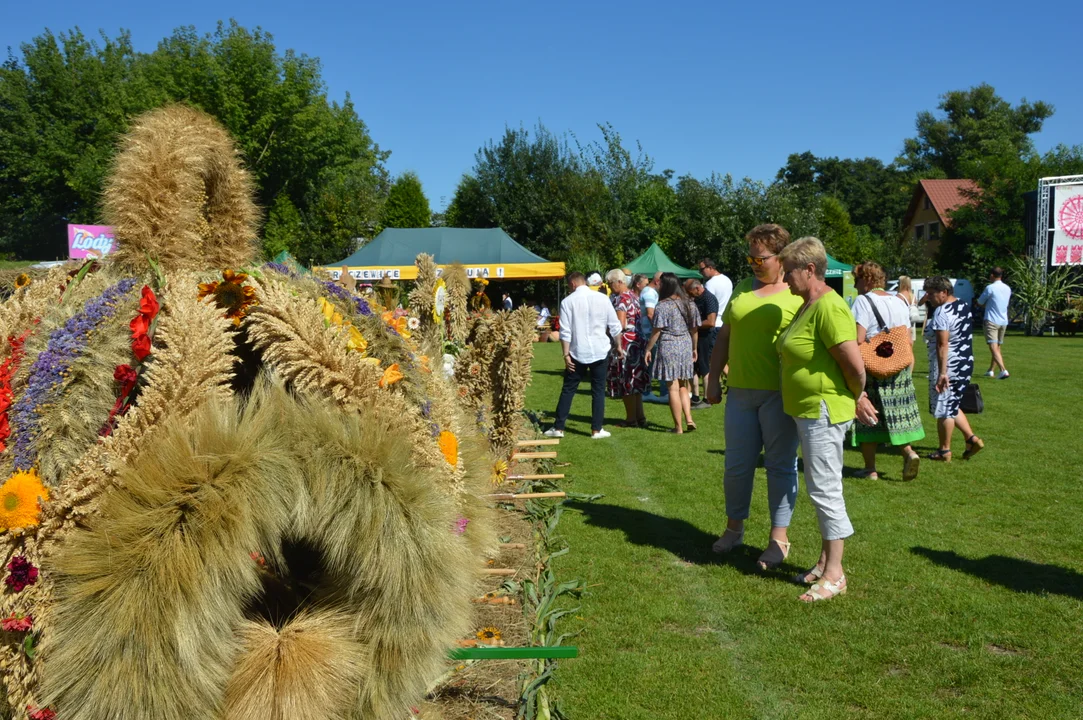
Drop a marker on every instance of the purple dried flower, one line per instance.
(460, 525)
(47, 373)
(281, 269)
(338, 291)
(426, 408)
(434, 429)
(363, 307)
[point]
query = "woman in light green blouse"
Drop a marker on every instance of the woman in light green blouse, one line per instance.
(823, 380)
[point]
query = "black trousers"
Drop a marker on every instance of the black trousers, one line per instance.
(596, 373)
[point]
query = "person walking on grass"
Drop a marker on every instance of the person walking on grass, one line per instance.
(589, 332)
(823, 380)
(648, 301)
(762, 306)
(894, 398)
(995, 299)
(628, 376)
(676, 325)
(949, 335)
(707, 305)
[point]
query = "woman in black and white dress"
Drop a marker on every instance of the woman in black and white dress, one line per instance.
(949, 335)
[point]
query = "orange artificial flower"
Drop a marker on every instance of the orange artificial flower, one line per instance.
(449, 446)
(231, 294)
(391, 376)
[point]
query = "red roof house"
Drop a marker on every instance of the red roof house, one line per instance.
(930, 207)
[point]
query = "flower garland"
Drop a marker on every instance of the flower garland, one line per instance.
(7, 371)
(127, 377)
(51, 367)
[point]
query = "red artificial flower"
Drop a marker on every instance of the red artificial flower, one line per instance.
(16, 624)
(139, 325)
(22, 573)
(141, 347)
(148, 304)
(125, 375)
(40, 713)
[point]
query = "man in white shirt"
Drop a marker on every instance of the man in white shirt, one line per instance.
(589, 331)
(995, 300)
(718, 285)
(507, 302)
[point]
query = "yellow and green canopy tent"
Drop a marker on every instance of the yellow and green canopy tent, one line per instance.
(484, 252)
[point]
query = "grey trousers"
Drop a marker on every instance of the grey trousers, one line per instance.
(821, 450)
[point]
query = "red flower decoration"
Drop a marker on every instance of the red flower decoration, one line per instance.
(141, 347)
(16, 624)
(148, 304)
(139, 325)
(125, 375)
(40, 713)
(23, 573)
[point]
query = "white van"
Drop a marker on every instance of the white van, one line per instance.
(963, 290)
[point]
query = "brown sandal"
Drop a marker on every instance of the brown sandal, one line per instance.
(974, 445)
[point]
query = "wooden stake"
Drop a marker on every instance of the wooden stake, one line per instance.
(499, 600)
(507, 572)
(536, 443)
(525, 496)
(513, 546)
(533, 456)
(557, 476)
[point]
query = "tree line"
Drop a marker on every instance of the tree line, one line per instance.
(323, 183)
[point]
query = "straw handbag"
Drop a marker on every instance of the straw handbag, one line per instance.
(887, 352)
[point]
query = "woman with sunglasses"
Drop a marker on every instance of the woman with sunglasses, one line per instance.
(759, 310)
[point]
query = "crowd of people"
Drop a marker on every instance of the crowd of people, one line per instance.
(799, 368)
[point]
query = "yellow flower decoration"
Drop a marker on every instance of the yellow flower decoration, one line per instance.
(21, 281)
(439, 300)
(449, 446)
(391, 376)
(500, 471)
(21, 498)
(354, 339)
(490, 634)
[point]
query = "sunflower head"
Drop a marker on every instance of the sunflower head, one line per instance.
(490, 634)
(500, 471)
(230, 294)
(21, 498)
(21, 281)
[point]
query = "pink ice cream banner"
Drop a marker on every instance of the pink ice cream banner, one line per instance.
(85, 241)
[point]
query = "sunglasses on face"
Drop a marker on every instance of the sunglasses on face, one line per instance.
(757, 260)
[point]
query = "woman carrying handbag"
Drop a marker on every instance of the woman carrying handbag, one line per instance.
(883, 336)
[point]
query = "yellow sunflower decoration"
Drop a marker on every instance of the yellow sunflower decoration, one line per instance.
(230, 294)
(439, 300)
(21, 281)
(500, 471)
(21, 497)
(490, 635)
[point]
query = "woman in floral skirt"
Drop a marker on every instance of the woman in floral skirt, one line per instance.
(676, 325)
(628, 378)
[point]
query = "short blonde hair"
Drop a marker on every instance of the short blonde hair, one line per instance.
(806, 251)
(772, 237)
(873, 275)
(616, 276)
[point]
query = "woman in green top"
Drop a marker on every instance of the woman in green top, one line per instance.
(822, 374)
(759, 309)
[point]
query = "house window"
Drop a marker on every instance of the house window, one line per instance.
(919, 232)
(934, 231)
(928, 203)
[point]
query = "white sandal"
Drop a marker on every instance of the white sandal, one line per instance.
(729, 540)
(815, 574)
(824, 590)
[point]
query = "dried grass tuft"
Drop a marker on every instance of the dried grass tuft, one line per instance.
(178, 194)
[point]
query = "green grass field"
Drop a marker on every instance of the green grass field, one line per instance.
(965, 586)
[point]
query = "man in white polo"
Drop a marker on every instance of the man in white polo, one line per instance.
(995, 300)
(718, 285)
(589, 332)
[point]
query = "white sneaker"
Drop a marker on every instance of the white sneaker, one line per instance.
(990, 374)
(1004, 375)
(601, 434)
(553, 433)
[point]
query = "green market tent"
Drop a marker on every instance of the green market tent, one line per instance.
(655, 260)
(485, 252)
(284, 258)
(836, 269)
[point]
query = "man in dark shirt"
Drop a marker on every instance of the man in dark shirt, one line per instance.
(707, 304)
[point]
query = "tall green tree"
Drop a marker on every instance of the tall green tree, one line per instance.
(406, 205)
(976, 127)
(64, 104)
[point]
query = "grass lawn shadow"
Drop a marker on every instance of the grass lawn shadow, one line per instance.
(675, 536)
(1019, 575)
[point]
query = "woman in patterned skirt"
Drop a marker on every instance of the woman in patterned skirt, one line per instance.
(896, 402)
(628, 378)
(676, 326)
(950, 335)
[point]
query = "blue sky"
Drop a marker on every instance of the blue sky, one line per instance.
(704, 87)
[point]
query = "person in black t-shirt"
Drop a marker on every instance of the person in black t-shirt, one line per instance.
(707, 304)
